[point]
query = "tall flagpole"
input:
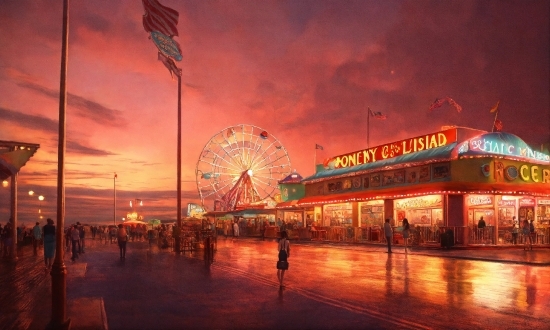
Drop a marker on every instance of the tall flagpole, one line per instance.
(114, 199)
(315, 160)
(178, 244)
(494, 121)
(59, 318)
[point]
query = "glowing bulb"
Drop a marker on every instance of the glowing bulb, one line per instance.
(249, 172)
(31, 192)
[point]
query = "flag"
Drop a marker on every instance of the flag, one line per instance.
(437, 103)
(160, 18)
(377, 115)
(495, 108)
(170, 65)
(318, 146)
(498, 125)
(116, 176)
(454, 104)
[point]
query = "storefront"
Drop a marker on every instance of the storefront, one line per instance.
(443, 180)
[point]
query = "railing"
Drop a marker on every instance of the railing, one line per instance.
(482, 235)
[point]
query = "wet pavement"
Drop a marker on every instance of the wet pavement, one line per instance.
(328, 286)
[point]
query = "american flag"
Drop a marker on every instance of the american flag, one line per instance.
(377, 115)
(318, 146)
(170, 65)
(498, 125)
(160, 18)
(437, 103)
(454, 104)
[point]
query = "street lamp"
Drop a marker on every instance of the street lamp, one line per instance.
(40, 199)
(5, 183)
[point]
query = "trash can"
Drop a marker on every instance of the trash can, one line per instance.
(444, 239)
(450, 238)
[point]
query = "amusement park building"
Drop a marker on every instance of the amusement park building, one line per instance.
(443, 180)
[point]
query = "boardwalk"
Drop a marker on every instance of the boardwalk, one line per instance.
(327, 288)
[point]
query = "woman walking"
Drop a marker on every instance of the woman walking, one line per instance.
(406, 232)
(122, 239)
(284, 253)
(49, 243)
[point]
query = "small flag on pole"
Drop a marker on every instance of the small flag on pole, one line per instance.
(454, 104)
(436, 104)
(318, 146)
(377, 115)
(498, 125)
(160, 18)
(116, 176)
(439, 102)
(495, 108)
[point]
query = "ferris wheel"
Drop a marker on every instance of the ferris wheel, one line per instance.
(241, 164)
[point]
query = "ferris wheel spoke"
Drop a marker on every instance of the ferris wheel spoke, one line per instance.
(270, 164)
(230, 144)
(230, 155)
(267, 159)
(264, 150)
(262, 187)
(217, 166)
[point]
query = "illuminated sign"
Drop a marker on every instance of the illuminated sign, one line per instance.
(527, 202)
(508, 146)
(507, 203)
(394, 149)
(419, 202)
(544, 201)
(526, 172)
(478, 200)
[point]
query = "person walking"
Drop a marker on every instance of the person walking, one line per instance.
(36, 238)
(515, 231)
(122, 238)
(526, 235)
(406, 232)
(236, 229)
(284, 252)
(49, 243)
(81, 241)
(388, 233)
(532, 233)
(75, 240)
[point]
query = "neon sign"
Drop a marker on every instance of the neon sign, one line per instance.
(494, 144)
(394, 149)
(526, 172)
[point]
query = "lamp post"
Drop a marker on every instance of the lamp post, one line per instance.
(114, 199)
(40, 199)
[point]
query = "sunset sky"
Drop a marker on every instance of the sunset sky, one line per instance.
(305, 71)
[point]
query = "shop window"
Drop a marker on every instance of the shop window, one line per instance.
(505, 215)
(371, 215)
(338, 215)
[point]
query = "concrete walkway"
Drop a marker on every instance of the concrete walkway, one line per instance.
(154, 288)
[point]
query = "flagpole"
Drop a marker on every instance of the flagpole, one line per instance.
(178, 244)
(114, 199)
(368, 126)
(494, 121)
(315, 160)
